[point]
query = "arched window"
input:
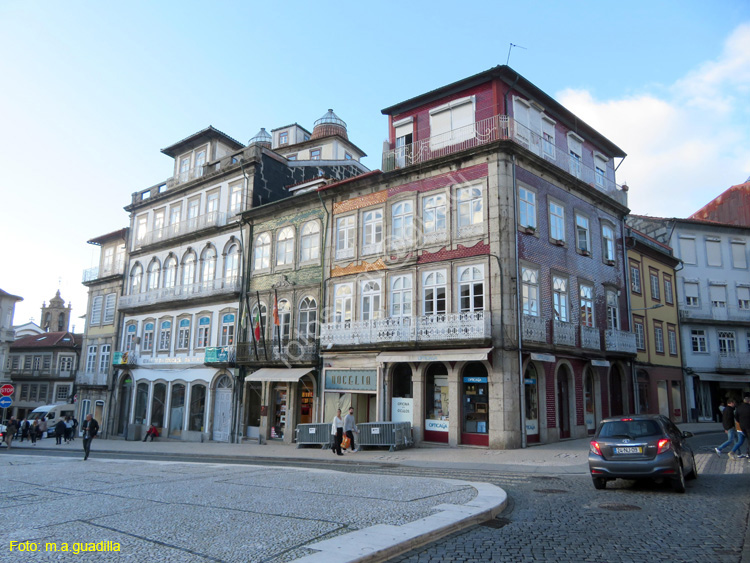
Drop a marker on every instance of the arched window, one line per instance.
(188, 269)
(403, 221)
(433, 293)
(170, 272)
(208, 266)
(285, 320)
(227, 330)
(370, 300)
(183, 334)
(401, 296)
(310, 241)
(232, 264)
(308, 319)
(471, 289)
(129, 338)
(259, 321)
(204, 332)
(147, 343)
(285, 247)
(262, 252)
(343, 303)
(165, 335)
(136, 275)
(154, 269)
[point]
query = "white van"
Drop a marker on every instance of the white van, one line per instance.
(53, 413)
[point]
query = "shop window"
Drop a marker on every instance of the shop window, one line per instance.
(475, 403)
(177, 409)
(197, 408)
(437, 407)
(157, 404)
(279, 410)
(141, 403)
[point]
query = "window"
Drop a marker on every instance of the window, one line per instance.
(96, 310)
(560, 298)
(227, 330)
(600, 171)
(188, 269)
(62, 392)
(640, 335)
(687, 250)
(308, 320)
(175, 214)
(208, 267)
(672, 337)
(471, 289)
(283, 138)
(310, 242)
(148, 337)
(587, 305)
(718, 295)
(345, 237)
(342, 307)
(193, 212)
(141, 229)
(232, 264)
(314, 154)
(613, 311)
(170, 272)
(372, 231)
(212, 205)
(698, 338)
(104, 358)
(739, 255)
(285, 247)
(107, 259)
(452, 123)
(548, 137)
(285, 320)
(658, 337)
(727, 343)
(743, 298)
(401, 297)
(403, 133)
(370, 300)
(291, 156)
(109, 308)
(654, 277)
(668, 293)
(183, 334)
(434, 213)
(608, 244)
(204, 332)
(691, 294)
(583, 235)
(575, 150)
(433, 293)
(402, 224)
(530, 291)
(200, 160)
(90, 359)
(470, 207)
(43, 392)
(526, 208)
(66, 363)
(129, 338)
(713, 252)
(262, 253)
(235, 199)
(556, 221)
(635, 277)
(152, 277)
(347, 156)
(165, 335)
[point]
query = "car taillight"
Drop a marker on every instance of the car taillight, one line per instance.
(594, 448)
(663, 445)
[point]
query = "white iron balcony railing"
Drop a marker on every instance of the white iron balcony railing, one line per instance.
(91, 379)
(186, 226)
(591, 338)
(427, 328)
(619, 341)
(291, 351)
(95, 273)
(733, 360)
(534, 329)
(497, 128)
(191, 291)
(564, 333)
(186, 176)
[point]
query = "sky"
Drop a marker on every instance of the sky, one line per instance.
(90, 92)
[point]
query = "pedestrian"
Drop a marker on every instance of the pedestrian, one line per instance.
(10, 431)
(43, 428)
(152, 431)
(337, 431)
(74, 430)
(25, 429)
(742, 416)
(68, 429)
(90, 430)
(59, 431)
(350, 427)
(33, 431)
(730, 430)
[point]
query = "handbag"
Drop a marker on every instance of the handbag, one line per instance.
(346, 442)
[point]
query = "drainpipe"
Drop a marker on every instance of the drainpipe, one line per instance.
(626, 289)
(323, 292)
(522, 388)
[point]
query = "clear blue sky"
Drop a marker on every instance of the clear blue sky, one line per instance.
(92, 90)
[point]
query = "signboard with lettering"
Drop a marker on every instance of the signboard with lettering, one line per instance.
(543, 357)
(436, 425)
(351, 379)
(600, 363)
(217, 355)
(402, 410)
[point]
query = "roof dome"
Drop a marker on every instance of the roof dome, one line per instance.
(261, 137)
(329, 124)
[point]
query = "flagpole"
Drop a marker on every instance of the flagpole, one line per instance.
(252, 329)
(262, 328)
(276, 317)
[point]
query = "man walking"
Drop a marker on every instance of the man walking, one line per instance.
(10, 431)
(90, 430)
(727, 421)
(742, 415)
(350, 427)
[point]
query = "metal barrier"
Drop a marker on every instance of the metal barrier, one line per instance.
(318, 434)
(396, 435)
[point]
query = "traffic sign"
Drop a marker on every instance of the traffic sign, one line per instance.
(6, 390)
(5, 402)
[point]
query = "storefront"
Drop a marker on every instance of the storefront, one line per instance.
(351, 387)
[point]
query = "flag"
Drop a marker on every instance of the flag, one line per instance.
(257, 324)
(276, 311)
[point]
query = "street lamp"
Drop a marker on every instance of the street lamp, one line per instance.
(649, 308)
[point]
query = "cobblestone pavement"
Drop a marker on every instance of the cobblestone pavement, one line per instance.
(563, 518)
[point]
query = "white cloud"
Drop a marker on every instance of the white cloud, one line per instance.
(686, 146)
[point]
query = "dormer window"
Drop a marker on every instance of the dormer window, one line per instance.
(291, 156)
(452, 123)
(284, 138)
(314, 154)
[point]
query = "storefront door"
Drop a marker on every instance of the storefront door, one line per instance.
(475, 412)
(437, 406)
(563, 408)
(531, 399)
(279, 397)
(222, 409)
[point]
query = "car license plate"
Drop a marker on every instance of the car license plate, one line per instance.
(628, 450)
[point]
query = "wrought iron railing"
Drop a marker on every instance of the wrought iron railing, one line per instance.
(186, 226)
(533, 329)
(193, 290)
(619, 341)
(591, 338)
(291, 352)
(564, 334)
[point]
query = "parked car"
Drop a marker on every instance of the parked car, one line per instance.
(641, 446)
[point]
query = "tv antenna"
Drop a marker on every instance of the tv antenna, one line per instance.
(511, 45)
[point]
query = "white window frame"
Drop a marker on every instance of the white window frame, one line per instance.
(402, 223)
(556, 221)
(692, 300)
(371, 292)
(307, 319)
(699, 341)
(526, 207)
(435, 214)
(165, 336)
(470, 209)
(310, 242)
(343, 295)
(613, 310)
(433, 282)
(608, 244)
(183, 334)
(457, 131)
(285, 247)
(147, 341)
(372, 231)
(583, 234)
(91, 358)
(471, 288)
(635, 278)
(640, 334)
(560, 298)
(402, 301)
(586, 296)
(530, 291)
(227, 329)
(262, 252)
(575, 154)
(104, 358)
(346, 232)
(203, 334)
(96, 310)
(655, 285)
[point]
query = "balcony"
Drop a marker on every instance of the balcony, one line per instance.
(188, 226)
(292, 352)
(428, 328)
(533, 329)
(93, 379)
(498, 128)
(699, 314)
(223, 355)
(93, 274)
(619, 341)
(591, 338)
(220, 286)
(563, 333)
(734, 361)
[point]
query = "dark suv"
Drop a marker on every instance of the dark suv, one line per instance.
(641, 446)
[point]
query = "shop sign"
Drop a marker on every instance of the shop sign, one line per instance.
(217, 355)
(600, 363)
(532, 426)
(543, 358)
(351, 379)
(402, 410)
(436, 425)
(475, 380)
(529, 381)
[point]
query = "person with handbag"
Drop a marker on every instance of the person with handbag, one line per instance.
(350, 427)
(337, 431)
(729, 429)
(742, 418)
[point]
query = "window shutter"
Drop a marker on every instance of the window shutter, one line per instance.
(687, 250)
(713, 252)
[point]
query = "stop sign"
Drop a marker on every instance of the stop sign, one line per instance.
(6, 390)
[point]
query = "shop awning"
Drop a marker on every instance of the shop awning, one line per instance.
(738, 380)
(465, 355)
(279, 374)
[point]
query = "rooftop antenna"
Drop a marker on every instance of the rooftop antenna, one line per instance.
(511, 45)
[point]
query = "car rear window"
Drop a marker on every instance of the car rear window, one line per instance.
(629, 429)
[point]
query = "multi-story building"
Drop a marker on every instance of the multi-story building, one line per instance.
(655, 321)
(42, 367)
(7, 334)
(475, 287)
(105, 283)
(713, 296)
(176, 356)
